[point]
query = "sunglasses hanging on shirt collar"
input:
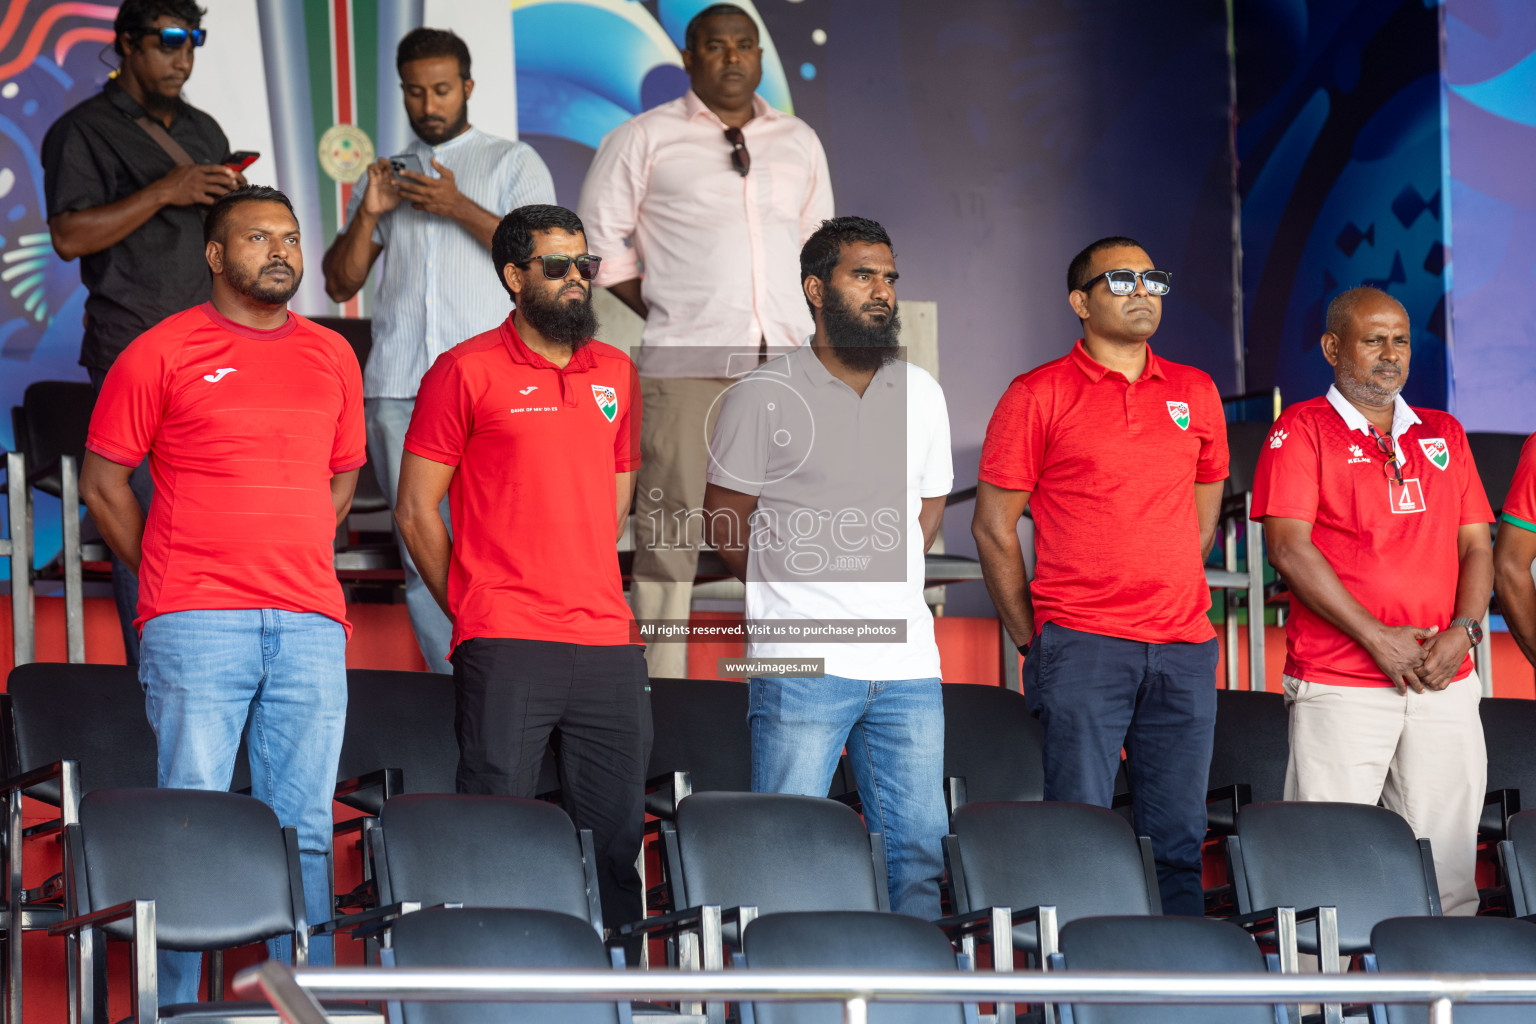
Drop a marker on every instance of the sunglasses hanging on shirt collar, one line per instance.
(176, 38)
(740, 158)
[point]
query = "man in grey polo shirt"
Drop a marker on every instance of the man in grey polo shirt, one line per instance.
(827, 478)
(433, 226)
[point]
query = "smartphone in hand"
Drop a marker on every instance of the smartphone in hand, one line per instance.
(406, 162)
(241, 159)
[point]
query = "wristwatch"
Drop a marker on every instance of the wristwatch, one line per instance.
(1472, 626)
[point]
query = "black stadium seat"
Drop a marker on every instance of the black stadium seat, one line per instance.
(1184, 944)
(992, 746)
(506, 939)
(219, 869)
(1454, 945)
(850, 940)
(1085, 861)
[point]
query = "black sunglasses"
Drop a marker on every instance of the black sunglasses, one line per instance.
(176, 38)
(740, 158)
(557, 265)
(1123, 282)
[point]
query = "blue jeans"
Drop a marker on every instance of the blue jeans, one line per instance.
(894, 731)
(387, 420)
(1095, 694)
(279, 678)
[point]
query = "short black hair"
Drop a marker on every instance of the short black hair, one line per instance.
(137, 14)
(1077, 270)
(1342, 309)
(691, 33)
(513, 241)
(819, 255)
(423, 43)
(218, 213)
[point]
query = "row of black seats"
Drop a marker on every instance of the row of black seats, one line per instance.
(773, 881)
(399, 739)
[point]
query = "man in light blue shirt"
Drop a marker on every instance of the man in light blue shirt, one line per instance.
(433, 225)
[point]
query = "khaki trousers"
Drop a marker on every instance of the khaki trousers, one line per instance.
(677, 419)
(1420, 754)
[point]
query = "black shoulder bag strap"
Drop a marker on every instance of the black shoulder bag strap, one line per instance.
(155, 130)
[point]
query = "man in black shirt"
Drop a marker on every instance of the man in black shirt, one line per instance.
(131, 210)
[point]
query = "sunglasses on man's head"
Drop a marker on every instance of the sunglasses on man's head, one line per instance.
(176, 38)
(1123, 282)
(557, 265)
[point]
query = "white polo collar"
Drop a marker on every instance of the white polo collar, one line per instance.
(1403, 416)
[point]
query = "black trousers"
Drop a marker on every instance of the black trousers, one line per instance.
(515, 698)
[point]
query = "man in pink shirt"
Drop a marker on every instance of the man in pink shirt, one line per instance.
(714, 194)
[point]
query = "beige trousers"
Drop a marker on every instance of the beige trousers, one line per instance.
(677, 419)
(1421, 754)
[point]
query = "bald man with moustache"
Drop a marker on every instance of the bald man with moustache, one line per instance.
(1374, 514)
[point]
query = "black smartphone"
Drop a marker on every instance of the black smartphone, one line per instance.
(406, 162)
(241, 159)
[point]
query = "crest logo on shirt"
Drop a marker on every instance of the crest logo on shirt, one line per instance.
(1180, 413)
(1436, 451)
(218, 375)
(1407, 498)
(607, 401)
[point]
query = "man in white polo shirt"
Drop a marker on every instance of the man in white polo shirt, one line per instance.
(827, 478)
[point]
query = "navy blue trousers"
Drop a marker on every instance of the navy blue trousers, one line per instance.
(1096, 694)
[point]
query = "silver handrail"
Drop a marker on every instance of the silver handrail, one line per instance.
(294, 992)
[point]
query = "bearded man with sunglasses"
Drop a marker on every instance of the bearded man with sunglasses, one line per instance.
(1119, 456)
(713, 194)
(533, 432)
(129, 175)
(1374, 514)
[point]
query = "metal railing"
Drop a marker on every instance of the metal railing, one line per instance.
(294, 992)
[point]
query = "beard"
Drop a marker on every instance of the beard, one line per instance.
(1374, 388)
(260, 288)
(432, 135)
(861, 345)
(563, 321)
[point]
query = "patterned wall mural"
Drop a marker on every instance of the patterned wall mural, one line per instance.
(1491, 105)
(1339, 156)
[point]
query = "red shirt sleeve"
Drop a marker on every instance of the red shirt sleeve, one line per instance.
(1474, 498)
(131, 404)
(626, 441)
(1214, 457)
(1014, 449)
(444, 414)
(1520, 505)
(1285, 481)
(350, 448)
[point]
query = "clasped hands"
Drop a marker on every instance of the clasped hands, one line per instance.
(1423, 659)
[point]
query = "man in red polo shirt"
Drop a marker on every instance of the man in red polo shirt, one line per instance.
(1515, 551)
(252, 418)
(1120, 457)
(533, 432)
(1375, 516)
